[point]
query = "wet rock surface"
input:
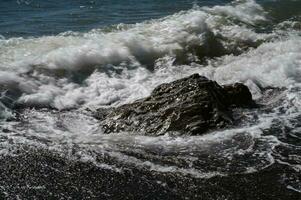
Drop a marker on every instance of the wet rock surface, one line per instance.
(192, 105)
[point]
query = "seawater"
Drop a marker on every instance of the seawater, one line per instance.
(25, 18)
(61, 60)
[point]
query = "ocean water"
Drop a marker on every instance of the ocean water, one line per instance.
(60, 60)
(26, 18)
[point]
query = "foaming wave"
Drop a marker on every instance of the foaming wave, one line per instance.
(77, 136)
(73, 69)
(248, 12)
(276, 64)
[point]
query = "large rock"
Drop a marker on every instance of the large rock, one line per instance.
(192, 105)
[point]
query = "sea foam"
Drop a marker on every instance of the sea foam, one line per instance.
(103, 68)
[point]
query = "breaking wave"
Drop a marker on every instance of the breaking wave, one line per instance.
(74, 72)
(75, 69)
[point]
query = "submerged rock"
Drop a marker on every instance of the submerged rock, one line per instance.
(192, 105)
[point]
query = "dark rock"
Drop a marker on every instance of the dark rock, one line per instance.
(238, 94)
(192, 105)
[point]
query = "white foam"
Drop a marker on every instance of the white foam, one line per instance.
(272, 64)
(248, 12)
(276, 64)
(44, 70)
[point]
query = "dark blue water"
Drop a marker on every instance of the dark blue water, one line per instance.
(25, 18)
(34, 18)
